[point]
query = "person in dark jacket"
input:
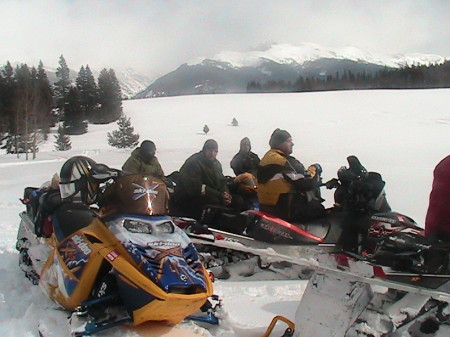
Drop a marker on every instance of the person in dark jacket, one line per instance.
(285, 188)
(201, 182)
(143, 160)
(437, 221)
(245, 160)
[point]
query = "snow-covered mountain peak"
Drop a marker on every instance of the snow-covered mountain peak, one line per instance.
(288, 54)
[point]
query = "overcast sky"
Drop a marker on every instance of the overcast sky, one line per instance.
(156, 36)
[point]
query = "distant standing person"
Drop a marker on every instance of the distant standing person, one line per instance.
(143, 160)
(245, 160)
(437, 221)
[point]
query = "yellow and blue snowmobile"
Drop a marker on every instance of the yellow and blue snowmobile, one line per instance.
(124, 262)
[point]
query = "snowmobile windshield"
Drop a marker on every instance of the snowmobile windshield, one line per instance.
(138, 194)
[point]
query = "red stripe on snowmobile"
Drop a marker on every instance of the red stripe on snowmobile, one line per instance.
(286, 224)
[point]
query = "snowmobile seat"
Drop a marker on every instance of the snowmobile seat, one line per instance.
(71, 217)
(31, 199)
(224, 218)
(48, 202)
(294, 207)
(317, 227)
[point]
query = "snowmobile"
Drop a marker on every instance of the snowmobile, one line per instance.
(124, 262)
(359, 222)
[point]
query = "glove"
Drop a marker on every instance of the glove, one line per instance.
(226, 197)
(333, 183)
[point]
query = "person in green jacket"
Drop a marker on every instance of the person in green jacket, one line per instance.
(143, 160)
(201, 182)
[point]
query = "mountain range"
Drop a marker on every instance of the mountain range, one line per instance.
(230, 72)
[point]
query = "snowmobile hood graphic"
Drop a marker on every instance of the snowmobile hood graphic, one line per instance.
(140, 191)
(136, 194)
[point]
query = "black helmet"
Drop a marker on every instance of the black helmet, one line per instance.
(75, 181)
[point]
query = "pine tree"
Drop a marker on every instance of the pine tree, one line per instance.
(125, 136)
(81, 78)
(8, 99)
(25, 111)
(3, 111)
(74, 120)
(88, 92)
(109, 97)
(206, 129)
(44, 100)
(62, 140)
(234, 122)
(62, 86)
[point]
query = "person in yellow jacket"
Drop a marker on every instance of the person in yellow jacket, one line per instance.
(285, 188)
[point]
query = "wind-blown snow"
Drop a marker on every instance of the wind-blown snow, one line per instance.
(286, 53)
(401, 134)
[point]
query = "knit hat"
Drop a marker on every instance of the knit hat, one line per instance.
(210, 144)
(278, 137)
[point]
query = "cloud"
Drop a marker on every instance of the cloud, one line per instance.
(157, 36)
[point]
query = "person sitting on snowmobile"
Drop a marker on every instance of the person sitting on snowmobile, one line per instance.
(437, 221)
(201, 182)
(245, 160)
(143, 160)
(285, 188)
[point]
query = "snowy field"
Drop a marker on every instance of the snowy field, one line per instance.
(401, 134)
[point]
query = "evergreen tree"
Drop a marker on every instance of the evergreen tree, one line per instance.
(80, 80)
(3, 113)
(206, 129)
(124, 137)
(88, 91)
(109, 97)
(44, 100)
(74, 120)
(62, 140)
(25, 110)
(62, 86)
(7, 97)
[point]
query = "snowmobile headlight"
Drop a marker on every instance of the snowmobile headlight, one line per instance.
(136, 226)
(165, 228)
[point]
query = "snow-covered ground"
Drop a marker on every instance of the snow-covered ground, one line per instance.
(401, 134)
